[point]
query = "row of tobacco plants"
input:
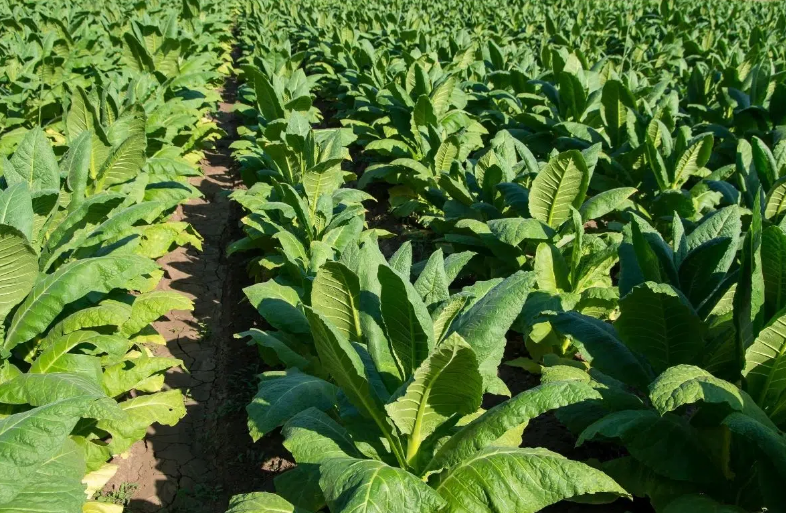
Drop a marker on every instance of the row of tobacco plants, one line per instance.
(602, 188)
(103, 111)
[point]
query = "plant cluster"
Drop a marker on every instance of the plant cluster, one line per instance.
(103, 117)
(604, 181)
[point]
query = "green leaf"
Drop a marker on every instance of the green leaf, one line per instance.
(524, 480)
(770, 443)
(447, 383)
(775, 202)
(499, 420)
(55, 487)
(165, 408)
(551, 270)
(445, 313)
(605, 202)
(335, 294)
(693, 158)
(18, 269)
(432, 283)
(685, 384)
(401, 260)
(34, 163)
(446, 152)
(615, 100)
(312, 437)
(560, 185)
(76, 167)
(70, 282)
(342, 361)
(267, 341)
(148, 307)
(32, 438)
(765, 364)
(42, 389)
(133, 373)
(282, 395)
(658, 322)
(773, 267)
(371, 486)
(485, 324)
(123, 164)
(749, 296)
(598, 343)
(261, 502)
(268, 103)
(278, 305)
(649, 437)
(407, 321)
(16, 209)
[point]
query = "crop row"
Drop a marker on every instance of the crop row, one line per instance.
(103, 117)
(597, 187)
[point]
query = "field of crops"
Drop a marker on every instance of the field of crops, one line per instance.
(502, 256)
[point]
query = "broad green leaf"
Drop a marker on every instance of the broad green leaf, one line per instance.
(694, 158)
(770, 443)
(724, 224)
(658, 322)
(335, 294)
(446, 152)
(524, 480)
(560, 185)
(123, 164)
(18, 268)
(493, 424)
(342, 361)
(401, 260)
(668, 444)
(765, 363)
(615, 100)
(55, 487)
(432, 283)
(278, 305)
(485, 324)
(32, 438)
(407, 321)
(605, 202)
(133, 373)
(282, 395)
(749, 296)
(598, 344)
(34, 163)
(445, 313)
(775, 202)
(42, 389)
(686, 384)
(70, 282)
(551, 270)
(16, 209)
(148, 307)
(312, 437)
(266, 341)
(165, 408)
(261, 502)
(353, 485)
(76, 167)
(773, 267)
(446, 383)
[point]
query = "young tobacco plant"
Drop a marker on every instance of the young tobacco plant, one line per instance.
(398, 427)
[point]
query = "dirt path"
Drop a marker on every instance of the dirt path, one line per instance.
(183, 468)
